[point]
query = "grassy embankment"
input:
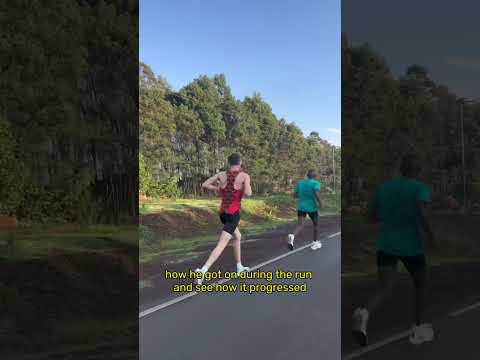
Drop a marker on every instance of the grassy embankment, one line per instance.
(456, 239)
(43, 240)
(180, 227)
(57, 285)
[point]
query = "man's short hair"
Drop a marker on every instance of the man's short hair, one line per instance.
(234, 159)
(409, 165)
(312, 174)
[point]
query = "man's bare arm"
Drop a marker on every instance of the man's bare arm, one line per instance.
(317, 197)
(372, 215)
(425, 226)
(212, 183)
(247, 186)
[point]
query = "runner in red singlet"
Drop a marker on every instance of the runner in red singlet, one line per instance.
(232, 185)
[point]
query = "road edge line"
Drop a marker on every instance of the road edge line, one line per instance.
(402, 335)
(377, 345)
(464, 310)
(193, 293)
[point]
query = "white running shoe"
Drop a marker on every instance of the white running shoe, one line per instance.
(200, 281)
(291, 238)
(421, 333)
(360, 321)
(241, 269)
(316, 245)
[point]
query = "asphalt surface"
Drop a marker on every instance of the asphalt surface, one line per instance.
(255, 326)
(451, 288)
(255, 250)
(456, 337)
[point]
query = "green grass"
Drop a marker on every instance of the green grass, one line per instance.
(26, 328)
(259, 214)
(331, 204)
(186, 247)
(40, 241)
(72, 337)
(177, 204)
(455, 235)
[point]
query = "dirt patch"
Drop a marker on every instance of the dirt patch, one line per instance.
(181, 224)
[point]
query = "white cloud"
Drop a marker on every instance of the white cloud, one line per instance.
(335, 142)
(335, 131)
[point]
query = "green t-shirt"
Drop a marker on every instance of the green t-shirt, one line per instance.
(395, 204)
(305, 190)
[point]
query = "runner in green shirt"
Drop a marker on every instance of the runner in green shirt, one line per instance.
(307, 193)
(399, 207)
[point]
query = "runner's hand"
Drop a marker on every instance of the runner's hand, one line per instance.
(429, 240)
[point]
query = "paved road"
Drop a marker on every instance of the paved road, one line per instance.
(235, 326)
(456, 338)
(452, 287)
(255, 250)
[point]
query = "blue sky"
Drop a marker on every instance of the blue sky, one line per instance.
(287, 50)
(440, 35)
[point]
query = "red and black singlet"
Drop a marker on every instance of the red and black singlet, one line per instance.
(231, 198)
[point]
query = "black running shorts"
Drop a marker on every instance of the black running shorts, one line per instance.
(311, 215)
(411, 263)
(230, 222)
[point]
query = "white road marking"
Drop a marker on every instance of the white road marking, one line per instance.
(465, 309)
(259, 239)
(377, 345)
(401, 335)
(193, 293)
(252, 240)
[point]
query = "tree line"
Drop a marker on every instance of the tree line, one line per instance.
(68, 110)
(385, 117)
(186, 136)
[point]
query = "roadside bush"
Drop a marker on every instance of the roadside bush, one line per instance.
(11, 172)
(166, 187)
(146, 236)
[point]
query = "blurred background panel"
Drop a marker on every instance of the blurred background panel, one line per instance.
(68, 179)
(410, 85)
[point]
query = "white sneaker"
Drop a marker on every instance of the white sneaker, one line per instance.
(200, 281)
(241, 269)
(316, 245)
(360, 321)
(421, 333)
(291, 238)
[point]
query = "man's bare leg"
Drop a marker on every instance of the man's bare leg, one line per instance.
(222, 243)
(300, 226)
(298, 230)
(420, 280)
(316, 243)
(237, 252)
(315, 230)
(386, 276)
(421, 332)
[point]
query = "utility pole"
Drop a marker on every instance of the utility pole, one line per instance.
(333, 162)
(462, 138)
(463, 159)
